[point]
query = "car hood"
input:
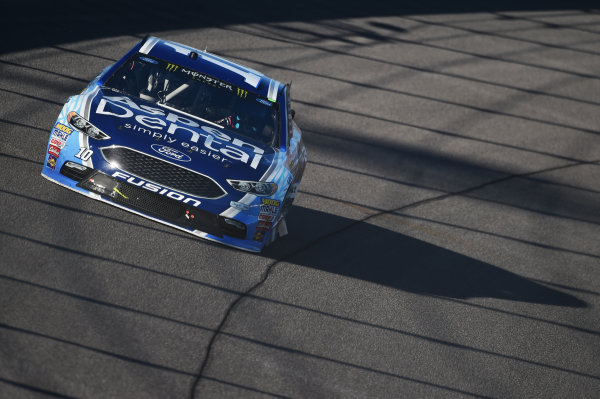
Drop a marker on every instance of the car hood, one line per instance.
(172, 136)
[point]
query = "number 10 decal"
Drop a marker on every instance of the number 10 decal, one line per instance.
(84, 154)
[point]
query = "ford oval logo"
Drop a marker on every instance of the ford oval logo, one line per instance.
(170, 153)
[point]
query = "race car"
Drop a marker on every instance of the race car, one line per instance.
(186, 138)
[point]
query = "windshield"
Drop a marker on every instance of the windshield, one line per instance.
(199, 95)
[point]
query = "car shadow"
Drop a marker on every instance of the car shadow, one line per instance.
(381, 256)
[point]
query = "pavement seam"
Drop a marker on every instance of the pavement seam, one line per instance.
(309, 244)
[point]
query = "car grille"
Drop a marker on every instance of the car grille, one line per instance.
(162, 172)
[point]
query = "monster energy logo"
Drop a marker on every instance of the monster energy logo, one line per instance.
(172, 67)
(242, 93)
(206, 79)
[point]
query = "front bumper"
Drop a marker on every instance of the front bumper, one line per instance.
(95, 184)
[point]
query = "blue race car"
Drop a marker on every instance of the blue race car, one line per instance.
(185, 138)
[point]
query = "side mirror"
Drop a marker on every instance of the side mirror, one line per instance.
(293, 113)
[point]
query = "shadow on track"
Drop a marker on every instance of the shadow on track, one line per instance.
(384, 257)
(35, 23)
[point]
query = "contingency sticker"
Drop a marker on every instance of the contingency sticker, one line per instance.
(258, 236)
(58, 140)
(263, 226)
(51, 162)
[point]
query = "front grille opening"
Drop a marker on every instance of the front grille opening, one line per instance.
(163, 172)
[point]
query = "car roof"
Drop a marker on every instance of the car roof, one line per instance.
(214, 66)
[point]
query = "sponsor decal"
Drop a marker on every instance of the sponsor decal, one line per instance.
(258, 236)
(63, 128)
(172, 67)
(53, 150)
(264, 226)
(265, 217)
(57, 143)
(209, 80)
(264, 102)
(170, 153)
(242, 93)
(51, 162)
(155, 188)
(250, 78)
(204, 140)
(268, 209)
(150, 60)
(269, 201)
(60, 135)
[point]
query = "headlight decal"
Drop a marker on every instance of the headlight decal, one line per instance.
(85, 127)
(259, 188)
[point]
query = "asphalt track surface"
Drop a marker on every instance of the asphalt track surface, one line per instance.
(445, 241)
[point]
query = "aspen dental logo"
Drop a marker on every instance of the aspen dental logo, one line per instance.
(213, 142)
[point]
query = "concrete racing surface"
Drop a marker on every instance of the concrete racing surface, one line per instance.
(445, 241)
